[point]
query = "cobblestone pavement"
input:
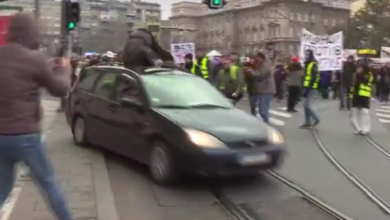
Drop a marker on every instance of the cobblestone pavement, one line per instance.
(81, 172)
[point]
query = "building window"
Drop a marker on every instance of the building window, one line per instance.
(306, 17)
(291, 49)
(326, 22)
(291, 32)
(299, 17)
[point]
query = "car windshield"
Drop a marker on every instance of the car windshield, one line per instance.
(171, 90)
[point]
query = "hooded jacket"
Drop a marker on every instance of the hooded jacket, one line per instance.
(142, 49)
(24, 71)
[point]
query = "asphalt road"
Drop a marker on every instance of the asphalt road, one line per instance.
(136, 197)
(265, 197)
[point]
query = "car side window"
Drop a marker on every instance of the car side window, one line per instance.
(105, 86)
(87, 79)
(126, 87)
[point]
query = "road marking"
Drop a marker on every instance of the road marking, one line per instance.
(386, 107)
(383, 120)
(281, 114)
(276, 122)
(382, 115)
(383, 110)
(285, 109)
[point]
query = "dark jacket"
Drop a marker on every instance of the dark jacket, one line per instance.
(349, 69)
(23, 72)
(294, 74)
(142, 49)
(357, 79)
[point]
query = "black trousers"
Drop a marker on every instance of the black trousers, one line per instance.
(293, 97)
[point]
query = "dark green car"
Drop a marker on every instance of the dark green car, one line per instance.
(172, 121)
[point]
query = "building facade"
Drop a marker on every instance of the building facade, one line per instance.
(247, 26)
(356, 6)
(50, 21)
(104, 23)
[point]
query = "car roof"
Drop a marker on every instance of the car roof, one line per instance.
(148, 70)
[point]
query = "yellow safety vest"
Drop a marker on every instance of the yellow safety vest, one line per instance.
(203, 67)
(307, 79)
(233, 76)
(365, 90)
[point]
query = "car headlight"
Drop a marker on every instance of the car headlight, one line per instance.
(274, 136)
(202, 139)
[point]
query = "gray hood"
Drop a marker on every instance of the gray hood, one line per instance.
(23, 30)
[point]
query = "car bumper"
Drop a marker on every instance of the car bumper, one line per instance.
(230, 162)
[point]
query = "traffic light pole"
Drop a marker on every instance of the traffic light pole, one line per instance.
(66, 35)
(37, 11)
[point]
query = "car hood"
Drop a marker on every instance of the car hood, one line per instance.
(228, 125)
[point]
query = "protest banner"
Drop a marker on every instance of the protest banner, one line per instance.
(327, 49)
(178, 51)
(385, 52)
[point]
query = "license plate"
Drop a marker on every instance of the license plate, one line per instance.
(255, 159)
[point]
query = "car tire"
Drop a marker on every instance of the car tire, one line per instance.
(79, 132)
(161, 166)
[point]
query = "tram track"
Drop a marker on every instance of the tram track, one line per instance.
(364, 188)
(377, 146)
(239, 212)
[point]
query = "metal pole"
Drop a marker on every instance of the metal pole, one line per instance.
(311, 24)
(37, 11)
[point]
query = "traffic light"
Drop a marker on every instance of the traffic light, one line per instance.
(72, 15)
(215, 4)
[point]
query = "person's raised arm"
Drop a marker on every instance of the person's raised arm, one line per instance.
(54, 75)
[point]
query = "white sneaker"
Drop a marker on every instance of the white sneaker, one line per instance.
(358, 132)
(365, 132)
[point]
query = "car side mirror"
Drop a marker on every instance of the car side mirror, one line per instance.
(130, 103)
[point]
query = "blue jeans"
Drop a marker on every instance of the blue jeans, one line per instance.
(309, 113)
(264, 103)
(29, 150)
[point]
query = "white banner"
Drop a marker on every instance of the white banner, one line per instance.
(385, 52)
(178, 51)
(328, 49)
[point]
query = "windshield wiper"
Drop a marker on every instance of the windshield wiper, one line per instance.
(172, 106)
(207, 106)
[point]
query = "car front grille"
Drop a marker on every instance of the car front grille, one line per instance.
(248, 144)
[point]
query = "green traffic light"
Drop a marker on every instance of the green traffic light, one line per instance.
(71, 25)
(217, 2)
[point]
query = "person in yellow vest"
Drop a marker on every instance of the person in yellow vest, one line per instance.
(202, 65)
(230, 81)
(360, 94)
(311, 81)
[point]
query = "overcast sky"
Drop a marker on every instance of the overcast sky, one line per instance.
(166, 6)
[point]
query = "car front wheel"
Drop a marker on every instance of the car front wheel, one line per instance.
(161, 166)
(79, 132)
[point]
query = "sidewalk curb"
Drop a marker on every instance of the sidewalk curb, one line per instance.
(105, 203)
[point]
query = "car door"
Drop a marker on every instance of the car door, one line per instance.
(81, 92)
(100, 110)
(129, 123)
